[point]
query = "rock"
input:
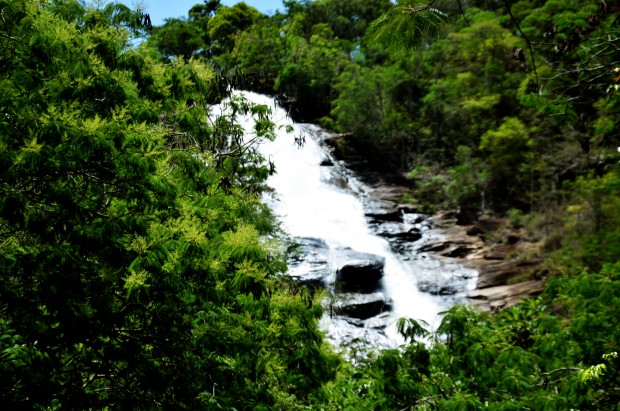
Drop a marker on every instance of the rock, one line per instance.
(326, 162)
(435, 247)
(360, 272)
(496, 273)
(377, 322)
(309, 264)
(307, 245)
(361, 306)
(495, 254)
(413, 218)
(394, 216)
(458, 251)
(403, 236)
(472, 249)
(504, 296)
(437, 289)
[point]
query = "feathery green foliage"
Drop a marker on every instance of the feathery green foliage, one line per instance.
(135, 266)
(406, 25)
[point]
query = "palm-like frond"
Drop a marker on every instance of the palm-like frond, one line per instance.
(406, 24)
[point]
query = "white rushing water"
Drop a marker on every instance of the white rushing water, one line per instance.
(309, 204)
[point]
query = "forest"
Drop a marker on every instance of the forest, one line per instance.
(140, 269)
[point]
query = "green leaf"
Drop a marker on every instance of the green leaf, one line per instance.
(406, 25)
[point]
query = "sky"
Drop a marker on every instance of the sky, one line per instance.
(162, 9)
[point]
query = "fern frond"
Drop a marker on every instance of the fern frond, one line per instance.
(405, 26)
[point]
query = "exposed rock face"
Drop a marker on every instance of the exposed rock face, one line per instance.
(500, 272)
(465, 252)
(360, 273)
(352, 279)
(506, 280)
(502, 296)
(503, 278)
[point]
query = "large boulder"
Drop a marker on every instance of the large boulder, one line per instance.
(361, 306)
(359, 272)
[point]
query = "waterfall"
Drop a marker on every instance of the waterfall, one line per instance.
(319, 202)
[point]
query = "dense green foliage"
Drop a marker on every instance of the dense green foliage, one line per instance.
(139, 269)
(503, 108)
(136, 266)
(497, 112)
(526, 357)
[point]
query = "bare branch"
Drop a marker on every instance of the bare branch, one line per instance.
(529, 43)
(8, 37)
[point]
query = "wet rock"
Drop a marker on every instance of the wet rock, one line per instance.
(360, 272)
(379, 322)
(394, 216)
(438, 289)
(411, 235)
(413, 218)
(307, 245)
(326, 162)
(309, 264)
(443, 277)
(361, 306)
(338, 180)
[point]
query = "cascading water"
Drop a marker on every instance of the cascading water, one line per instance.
(324, 206)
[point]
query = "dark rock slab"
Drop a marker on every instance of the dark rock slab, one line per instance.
(394, 216)
(362, 306)
(411, 235)
(438, 289)
(359, 272)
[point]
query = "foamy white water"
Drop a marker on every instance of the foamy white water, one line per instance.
(310, 205)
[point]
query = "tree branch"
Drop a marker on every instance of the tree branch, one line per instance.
(6, 36)
(529, 43)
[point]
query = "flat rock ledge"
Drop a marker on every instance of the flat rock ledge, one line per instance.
(503, 278)
(502, 296)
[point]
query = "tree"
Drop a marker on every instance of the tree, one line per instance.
(136, 269)
(405, 25)
(259, 54)
(227, 22)
(179, 37)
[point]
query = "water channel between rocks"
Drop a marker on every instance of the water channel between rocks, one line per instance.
(367, 258)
